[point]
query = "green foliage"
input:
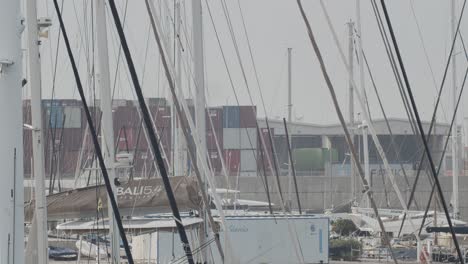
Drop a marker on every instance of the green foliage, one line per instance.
(345, 249)
(343, 227)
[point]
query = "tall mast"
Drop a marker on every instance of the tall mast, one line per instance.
(199, 64)
(37, 135)
(363, 91)
(351, 103)
(455, 124)
(289, 202)
(107, 127)
(179, 140)
(11, 135)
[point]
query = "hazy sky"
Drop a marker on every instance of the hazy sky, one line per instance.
(273, 26)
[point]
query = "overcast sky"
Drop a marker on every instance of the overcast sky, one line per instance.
(273, 26)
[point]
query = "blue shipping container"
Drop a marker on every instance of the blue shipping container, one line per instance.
(231, 117)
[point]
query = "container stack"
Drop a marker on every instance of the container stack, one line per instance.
(214, 116)
(240, 139)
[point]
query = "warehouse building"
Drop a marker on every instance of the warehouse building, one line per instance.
(318, 150)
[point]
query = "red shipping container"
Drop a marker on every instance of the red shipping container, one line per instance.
(212, 136)
(248, 116)
(232, 160)
(125, 139)
(72, 138)
(216, 116)
(161, 116)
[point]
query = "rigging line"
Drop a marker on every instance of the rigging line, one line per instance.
(94, 137)
(392, 141)
(119, 54)
(454, 117)
(239, 59)
(252, 57)
(267, 188)
(448, 136)
(371, 127)
(230, 76)
(356, 50)
(421, 129)
(434, 114)
(235, 93)
(189, 134)
(291, 160)
(151, 133)
(395, 71)
(345, 128)
(426, 55)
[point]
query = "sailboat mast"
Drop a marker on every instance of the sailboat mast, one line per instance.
(199, 64)
(11, 135)
(363, 91)
(107, 127)
(180, 160)
(289, 202)
(455, 124)
(351, 103)
(37, 135)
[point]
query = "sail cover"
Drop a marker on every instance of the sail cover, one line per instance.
(135, 198)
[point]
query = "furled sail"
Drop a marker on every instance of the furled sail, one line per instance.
(135, 198)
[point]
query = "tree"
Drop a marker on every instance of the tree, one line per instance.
(343, 227)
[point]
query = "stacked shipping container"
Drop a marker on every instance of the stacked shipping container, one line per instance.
(240, 139)
(65, 126)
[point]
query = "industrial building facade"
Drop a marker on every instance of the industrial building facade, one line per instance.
(318, 150)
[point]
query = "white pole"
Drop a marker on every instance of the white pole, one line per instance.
(360, 53)
(199, 69)
(107, 126)
(11, 135)
(455, 124)
(37, 133)
(366, 158)
(351, 102)
(180, 161)
(289, 202)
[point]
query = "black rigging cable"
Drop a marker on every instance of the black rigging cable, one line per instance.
(448, 137)
(392, 138)
(345, 129)
(420, 127)
(444, 150)
(291, 160)
(151, 133)
(434, 114)
(94, 137)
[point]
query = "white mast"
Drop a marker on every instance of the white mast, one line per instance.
(289, 202)
(107, 132)
(180, 160)
(363, 91)
(11, 135)
(455, 124)
(366, 158)
(37, 135)
(199, 69)
(351, 103)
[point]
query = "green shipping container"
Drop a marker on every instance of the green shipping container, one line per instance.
(308, 159)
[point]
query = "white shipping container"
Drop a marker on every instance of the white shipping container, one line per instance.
(262, 239)
(231, 138)
(248, 161)
(240, 138)
(72, 116)
(248, 138)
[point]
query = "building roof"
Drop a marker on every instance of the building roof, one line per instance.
(399, 126)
